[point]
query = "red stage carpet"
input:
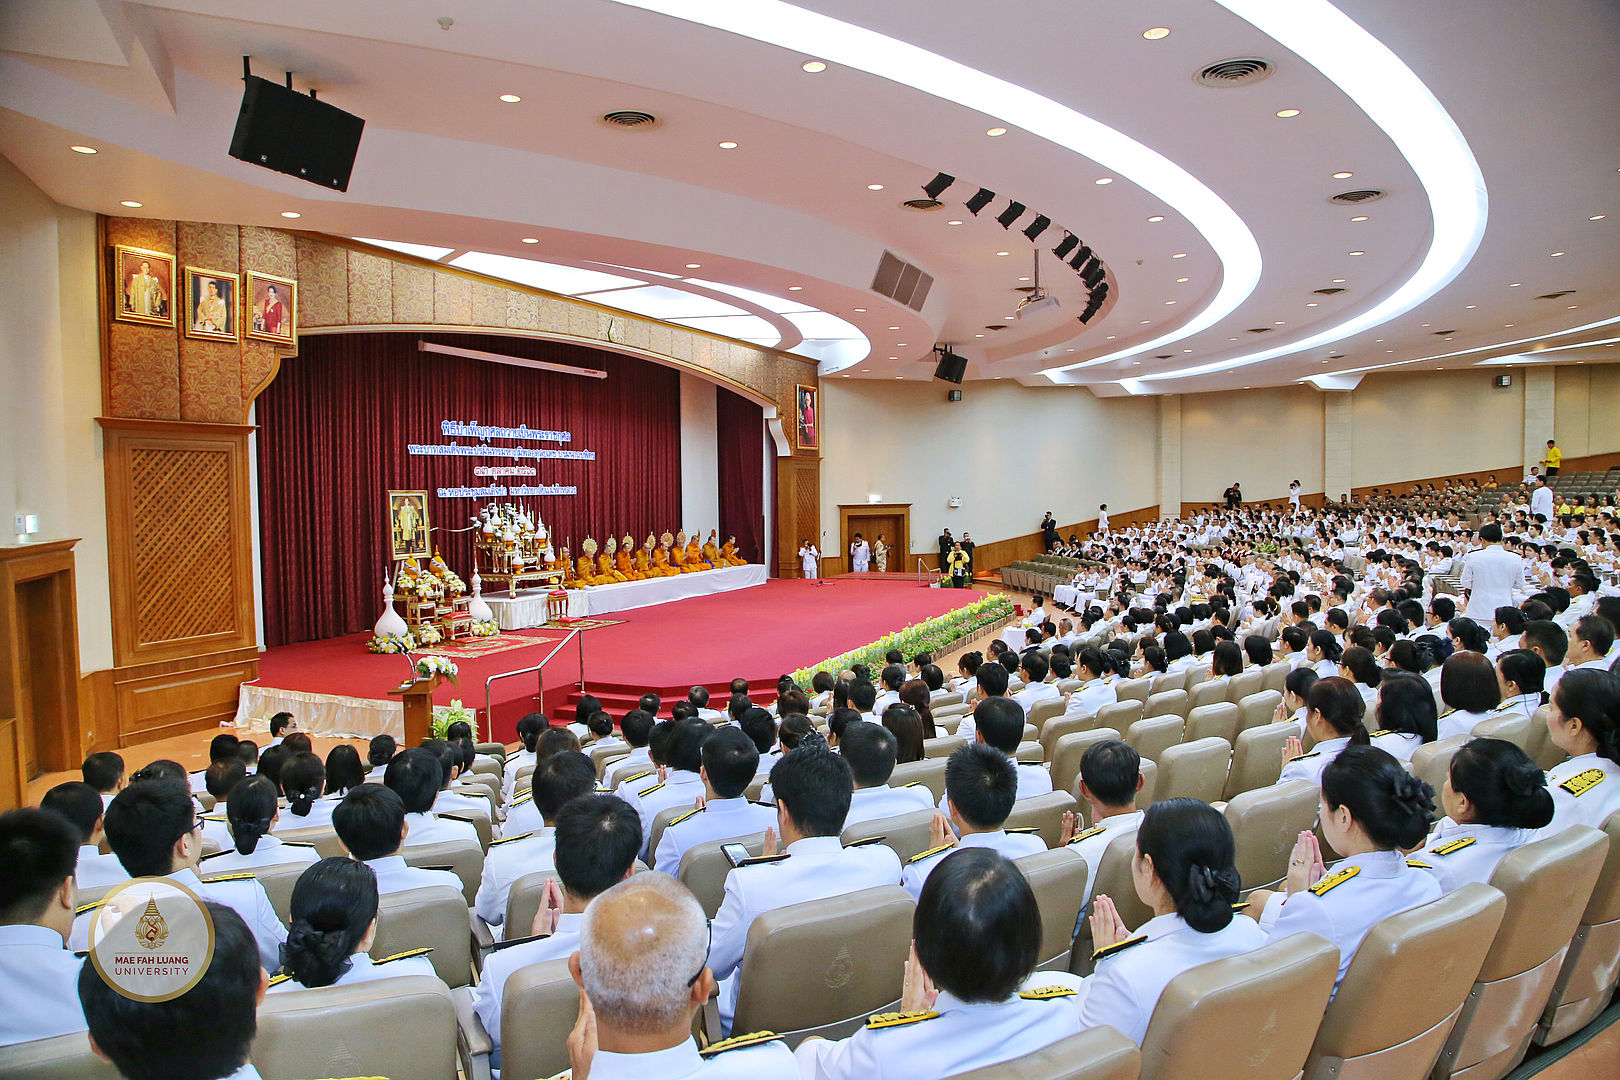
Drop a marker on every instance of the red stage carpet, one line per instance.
(757, 634)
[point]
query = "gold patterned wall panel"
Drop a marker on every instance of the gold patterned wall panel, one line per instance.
(273, 252)
(210, 371)
(141, 372)
(522, 311)
(371, 290)
(488, 304)
(452, 300)
(413, 294)
(323, 283)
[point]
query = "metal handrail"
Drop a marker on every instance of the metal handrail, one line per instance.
(540, 679)
(922, 574)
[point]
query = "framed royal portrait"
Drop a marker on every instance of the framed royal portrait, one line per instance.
(211, 304)
(408, 524)
(806, 417)
(272, 308)
(144, 286)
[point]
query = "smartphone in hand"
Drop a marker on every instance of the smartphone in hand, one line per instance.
(735, 853)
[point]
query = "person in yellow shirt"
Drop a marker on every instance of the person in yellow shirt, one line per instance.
(1554, 458)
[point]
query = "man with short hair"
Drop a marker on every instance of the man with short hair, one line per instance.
(760, 727)
(281, 725)
(636, 726)
(1589, 644)
(1554, 459)
(104, 771)
(681, 784)
(153, 829)
(698, 696)
(992, 683)
(222, 747)
(870, 750)
(452, 763)
(1110, 777)
(643, 975)
(1541, 500)
(417, 777)
(1583, 588)
(530, 842)
(1034, 668)
(204, 1034)
(812, 786)
(81, 806)
(597, 840)
(863, 699)
(999, 723)
(1490, 576)
(981, 785)
(730, 763)
(371, 824)
(1547, 640)
(38, 977)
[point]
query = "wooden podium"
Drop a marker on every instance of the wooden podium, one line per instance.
(418, 700)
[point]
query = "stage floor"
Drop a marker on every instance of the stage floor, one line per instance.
(757, 634)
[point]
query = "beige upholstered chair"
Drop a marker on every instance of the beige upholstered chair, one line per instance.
(1112, 875)
(1258, 709)
(1547, 885)
(904, 834)
(1246, 683)
(1432, 761)
(402, 1028)
(1194, 770)
(1257, 757)
(1541, 748)
(959, 708)
(1134, 689)
(491, 749)
(847, 954)
(1097, 1054)
(1150, 783)
(324, 838)
(1167, 681)
(474, 783)
(1044, 813)
(603, 756)
(1209, 692)
(930, 772)
(1513, 728)
(539, 1005)
(482, 825)
(1168, 703)
(942, 746)
(523, 900)
(278, 882)
(661, 822)
(1058, 878)
(65, 1057)
(1029, 753)
(1405, 988)
(1277, 676)
(1587, 980)
(1067, 754)
(1055, 730)
(704, 868)
(1122, 713)
(432, 918)
(1220, 720)
(1152, 735)
(464, 859)
(1265, 824)
(1248, 1017)
(1046, 710)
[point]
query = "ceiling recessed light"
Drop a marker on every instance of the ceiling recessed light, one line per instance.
(1286, 113)
(1343, 175)
(1358, 253)
(1279, 322)
(1179, 255)
(699, 266)
(1169, 302)
(1144, 322)
(996, 132)
(1571, 307)
(531, 239)
(132, 204)
(795, 288)
(291, 214)
(894, 328)
(1470, 307)
(978, 335)
(866, 369)
(1311, 304)
(1071, 350)
(1516, 284)
(1594, 217)
(1508, 325)
(861, 309)
(1359, 217)
(1156, 33)
(1555, 255)
(1003, 253)
(1136, 363)
(874, 187)
(82, 149)
(954, 221)
(1339, 280)
(899, 344)
(1023, 279)
(728, 145)
(511, 99)
(1103, 180)
(1426, 325)
(1156, 218)
(1181, 281)
(815, 67)
(1111, 337)
(1186, 350)
(894, 358)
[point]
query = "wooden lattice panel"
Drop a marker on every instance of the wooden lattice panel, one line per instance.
(180, 521)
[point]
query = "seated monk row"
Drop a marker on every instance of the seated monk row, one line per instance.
(672, 555)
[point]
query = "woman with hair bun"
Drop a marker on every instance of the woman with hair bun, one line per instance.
(1184, 871)
(1520, 675)
(303, 779)
(1495, 799)
(1334, 714)
(1322, 651)
(1584, 722)
(1372, 811)
(1407, 717)
(334, 921)
(250, 814)
(1360, 666)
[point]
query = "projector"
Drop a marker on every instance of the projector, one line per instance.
(1036, 304)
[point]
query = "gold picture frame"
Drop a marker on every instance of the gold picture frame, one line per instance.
(806, 418)
(408, 528)
(143, 286)
(211, 314)
(270, 308)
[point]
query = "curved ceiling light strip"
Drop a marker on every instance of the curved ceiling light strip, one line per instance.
(1395, 99)
(813, 34)
(1483, 348)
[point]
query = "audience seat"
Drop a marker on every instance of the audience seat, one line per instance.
(1374, 1031)
(1207, 693)
(1150, 783)
(1257, 757)
(1165, 682)
(1547, 885)
(942, 746)
(1152, 735)
(1121, 714)
(1194, 769)
(523, 900)
(278, 882)
(1167, 703)
(1431, 762)
(1058, 879)
(1046, 710)
(1513, 728)
(483, 825)
(324, 837)
(1056, 731)
(1221, 719)
(945, 711)
(64, 1057)
(1246, 683)
(1098, 1054)
(465, 860)
(491, 749)
(1247, 1017)
(1587, 981)
(930, 772)
(1265, 824)
(1066, 755)
(1277, 676)
(434, 918)
(404, 1029)
(1258, 709)
(704, 868)
(1044, 813)
(488, 784)
(539, 1005)
(904, 834)
(1541, 748)
(847, 955)
(1134, 689)
(1029, 753)
(603, 756)
(1113, 879)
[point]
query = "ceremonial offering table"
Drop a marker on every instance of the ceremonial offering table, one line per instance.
(529, 607)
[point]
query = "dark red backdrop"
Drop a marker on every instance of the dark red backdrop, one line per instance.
(740, 449)
(333, 430)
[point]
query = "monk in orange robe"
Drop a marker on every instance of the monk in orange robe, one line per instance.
(644, 563)
(728, 553)
(661, 558)
(711, 550)
(694, 557)
(624, 563)
(566, 564)
(587, 564)
(604, 565)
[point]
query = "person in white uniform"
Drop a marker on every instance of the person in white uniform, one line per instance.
(1184, 871)
(1469, 693)
(730, 762)
(1334, 712)
(529, 729)
(1495, 799)
(1541, 500)
(1033, 669)
(81, 805)
(981, 785)
(1589, 643)
(812, 786)
(971, 996)
(871, 750)
(597, 840)
(1096, 689)
(1110, 777)
(251, 811)
(560, 779)
(860, 555)
(1491, 574)
(1407, 715)
(682, 781)
(809, 558)
(1584, 722)
(1373, 811)
(999, 723)
(334, 922)
(416, 776)
(38, 977)
(371, 825)
(1520, 675)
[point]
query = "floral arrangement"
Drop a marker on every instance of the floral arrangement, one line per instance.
(429, 666)
(484, 628)
(445, 715)
(392, 643)
(933, 636)
(428, 634)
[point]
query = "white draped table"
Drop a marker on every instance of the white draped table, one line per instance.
(529, 607)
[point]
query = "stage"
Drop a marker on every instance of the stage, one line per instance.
(528, 608)
(335, 687)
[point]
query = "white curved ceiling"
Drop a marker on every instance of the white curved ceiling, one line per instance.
(154, 88)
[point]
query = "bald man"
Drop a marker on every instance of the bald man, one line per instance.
(640, 944)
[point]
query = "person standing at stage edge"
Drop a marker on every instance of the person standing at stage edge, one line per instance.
(968, 545)
(1049, 532)
(957, 561)
(808, 555)
(860, 555)
(946, 542)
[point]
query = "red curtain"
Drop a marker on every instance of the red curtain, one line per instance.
(740, 442)
(332, 438)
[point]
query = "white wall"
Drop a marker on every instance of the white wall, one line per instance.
(700, 456)
(50, 392)
(1588, 404)
(1263, 439)
(1437, 422)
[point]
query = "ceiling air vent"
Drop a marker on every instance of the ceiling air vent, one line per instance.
(1259, 329)
(1237, 71)
(1329, 292)
(1442, 333)
(1165, 356)
(922, 204)
(899, 280)
(1360, 195)
(1335, 356)
(996, 326)
(633, 119)
(1556, 295)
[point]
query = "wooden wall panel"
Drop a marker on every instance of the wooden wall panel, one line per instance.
(798, 509)
(39, 665)
(162, 699)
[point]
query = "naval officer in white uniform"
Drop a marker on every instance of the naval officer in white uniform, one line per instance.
(730, 762)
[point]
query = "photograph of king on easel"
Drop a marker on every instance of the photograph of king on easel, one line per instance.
(408, 524)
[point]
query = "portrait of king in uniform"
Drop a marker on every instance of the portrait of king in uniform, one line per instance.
(408, 524)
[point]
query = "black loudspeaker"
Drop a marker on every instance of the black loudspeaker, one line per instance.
(281, 129)
(951, 367)
(1504, 380)
(953, 395)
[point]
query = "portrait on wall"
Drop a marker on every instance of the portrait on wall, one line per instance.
(210, 304)
(272, 307)
(809, 432)
(408, 524)
(145, 286)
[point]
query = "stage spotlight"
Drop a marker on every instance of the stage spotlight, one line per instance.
(1065, 245)
(1037, 226)
(1013, 212)
(1089, 267)
(1092, 275)
(980, 200)
(1099, 291)
(1085, 316)
(938, 185)
(1080, 256)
